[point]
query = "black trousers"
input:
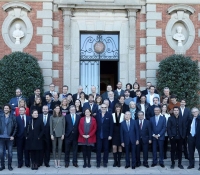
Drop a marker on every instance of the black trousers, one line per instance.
(86, 150)
(191, 149)
(68, 144)
(185, 147)
(176, 145)
(45, 152)
(35, 156)
(20, 143)
(165, 145)
(102, 144)
(144, 147)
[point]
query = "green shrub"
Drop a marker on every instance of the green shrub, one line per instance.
(19, 70)
(181, 75)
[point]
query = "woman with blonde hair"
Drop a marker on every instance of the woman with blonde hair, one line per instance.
(22, 103)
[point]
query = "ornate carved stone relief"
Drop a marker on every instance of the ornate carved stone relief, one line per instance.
(180, 31)
(17, 29)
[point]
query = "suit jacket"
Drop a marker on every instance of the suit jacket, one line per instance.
(104, 96)
(21, 130)
(145, 133)
(129, 136)
(186, 116)
(197, 130)
(106, 126)
(32, 99)
(116, 95)
(70, 129)
(46, 135)
(155, 95)
(52, 105)
(160, 128)
(171, 127)
(150, 111)
(87, 106)
(146, 106)
(125, 108)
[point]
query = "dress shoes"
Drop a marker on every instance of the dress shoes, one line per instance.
(47, 165)
(153, 165)
(172, 166)
(66, 165)
(75, 165)
(133, 167)
(84, 165)
(127, 166)
(10, 168)
(28, 166)
(180, 166)
(19, 166)
(190, 167)
(146, 165)
(98, 165)
(105, 165)
(199, 169)
(138, 164)
(162, 165)
(89, 165)
(2, 168)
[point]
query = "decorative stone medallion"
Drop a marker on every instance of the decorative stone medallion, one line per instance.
(99, 47)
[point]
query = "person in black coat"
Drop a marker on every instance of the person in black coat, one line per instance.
(37, 105)
(193, 133)
(141, 104)
(34, 135)
(22, 121)
(46, 139)
(151, 112)
(104, 134)
(175, 131)
(37, 93)
(49, 102)
(125, 107)
(185, 113)
(144, 139)
(91, 105)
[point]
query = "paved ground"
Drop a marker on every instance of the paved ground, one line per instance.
(109, 170)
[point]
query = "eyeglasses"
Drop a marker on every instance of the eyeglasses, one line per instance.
(103, 107)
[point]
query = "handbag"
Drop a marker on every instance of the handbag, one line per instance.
(54, 133)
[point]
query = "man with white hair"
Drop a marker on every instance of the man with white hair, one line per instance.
(94, 91)
(193, 137)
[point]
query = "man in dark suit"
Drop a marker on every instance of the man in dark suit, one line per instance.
(144, 139)
(112, 101)
(186, 114)
(37, 93)
(129, 138)
(105, 94)
(71, 135)
(119, 91)
(91, 105)
(22, 121)
(143, 106)
(94, 92)
(193, 133)
(49, 102)
(175, 130)
(14, 101)
(151, 108)
(77, 95)
(121, 100)
(45, 152)
(158, 128)
(104, 134)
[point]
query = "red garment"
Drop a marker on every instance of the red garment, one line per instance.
(92, 132)
(17, 111)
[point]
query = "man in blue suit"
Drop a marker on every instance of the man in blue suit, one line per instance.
(91, 105)
(144, 139)
(129, 138)
(14, 101)
(104, 134)
(22, 121)
(158, 127)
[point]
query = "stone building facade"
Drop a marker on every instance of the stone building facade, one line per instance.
(140, 33)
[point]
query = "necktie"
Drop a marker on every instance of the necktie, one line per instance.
(91, 106)
(119, 93)
(128, 125)
(23, 120)
(141, 124)
(193, 127)
(45, 120)
(156, 120)
(73, 121)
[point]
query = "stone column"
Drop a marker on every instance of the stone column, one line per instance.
(132, 43)
(67, 47)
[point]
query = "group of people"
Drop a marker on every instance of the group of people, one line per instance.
(132, 120)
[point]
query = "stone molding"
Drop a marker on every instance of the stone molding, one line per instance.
(17, 11)
(180, 16)
(172, 2)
